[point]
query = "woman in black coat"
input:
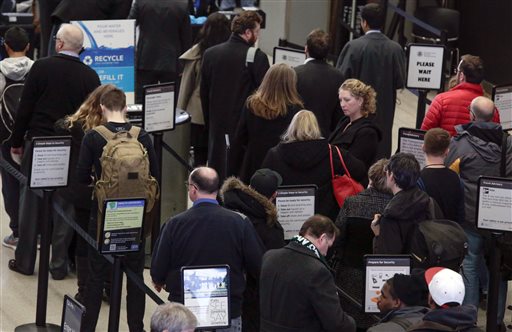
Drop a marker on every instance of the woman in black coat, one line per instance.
(356, 133)
(265, 117)
(302, 157)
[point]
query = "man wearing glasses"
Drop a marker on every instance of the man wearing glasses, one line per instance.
(207, 234)
(449, 109)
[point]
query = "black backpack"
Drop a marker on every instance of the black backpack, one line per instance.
(438, 242)
(9, 101)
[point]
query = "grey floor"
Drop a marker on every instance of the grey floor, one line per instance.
(18, 292)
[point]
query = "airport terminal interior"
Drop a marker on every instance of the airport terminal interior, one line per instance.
(285, 19)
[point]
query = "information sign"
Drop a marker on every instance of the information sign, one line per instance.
(494, 204)
(502, 96)
(158, 109)
(425, 67)
(50, 162)
(122, 225)
(411, 141)
(294, 205)
(378, 269)
(109, 49)
(72, 314)
(206, 291)
(290, 56)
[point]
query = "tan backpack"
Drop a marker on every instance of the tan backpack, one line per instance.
(125, 169)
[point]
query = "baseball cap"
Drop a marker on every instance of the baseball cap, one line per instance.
(445, 285)
(265, 181)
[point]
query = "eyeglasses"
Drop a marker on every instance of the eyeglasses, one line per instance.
(187, 184)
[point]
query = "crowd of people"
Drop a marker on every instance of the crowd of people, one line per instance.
(256, 127)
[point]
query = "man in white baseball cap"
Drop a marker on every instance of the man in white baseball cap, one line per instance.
(446, 293)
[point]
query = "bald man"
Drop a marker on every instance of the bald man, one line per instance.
(207, 234)
(475, 151)
(55, 87)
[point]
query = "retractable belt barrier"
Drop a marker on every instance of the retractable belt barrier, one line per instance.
(92, 242)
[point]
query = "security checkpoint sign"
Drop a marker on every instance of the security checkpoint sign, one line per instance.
(425, 69)
(50, 162)
(109, 49)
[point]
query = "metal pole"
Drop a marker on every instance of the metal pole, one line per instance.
(494, 285)
(115, 296)
(155, 229)
(420, 111)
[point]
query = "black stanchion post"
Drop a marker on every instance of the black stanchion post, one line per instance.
(115, 296)
(155, 229)
(494, 285)
(42, 279)
(422, 103)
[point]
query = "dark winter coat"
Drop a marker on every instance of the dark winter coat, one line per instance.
(307, 162)
(360, 138)
(461, 318)
(254, 137)
(226, 82)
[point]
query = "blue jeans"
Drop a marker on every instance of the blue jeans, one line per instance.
(472, 264)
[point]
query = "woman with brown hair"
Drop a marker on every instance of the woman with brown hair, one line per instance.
(356, 133)
(265, 117)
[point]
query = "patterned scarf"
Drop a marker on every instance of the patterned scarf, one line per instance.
(310, 246)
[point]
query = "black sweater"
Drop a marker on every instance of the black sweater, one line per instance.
(55, 87)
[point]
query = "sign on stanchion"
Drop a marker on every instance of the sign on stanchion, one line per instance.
(294, 205)
(206, 292)
(411, 141)
(121, 232)
(290, 56)
(494, 213)
(72, 314)
(158, 116)
(424, 72)
(49, 169)
(378, 269)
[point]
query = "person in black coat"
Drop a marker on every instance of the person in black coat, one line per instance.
(165, 34)
(356, 133)
(297, 289)
(318, 82)
(255, 201)
(228, 77)
(302, 157)
(267, 114)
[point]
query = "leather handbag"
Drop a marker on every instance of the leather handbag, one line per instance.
(343, 186)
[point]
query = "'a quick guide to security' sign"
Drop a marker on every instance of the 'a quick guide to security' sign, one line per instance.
(425, 68)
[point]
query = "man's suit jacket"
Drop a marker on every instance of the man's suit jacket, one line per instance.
(318, 84)
(165, 33)
(68, 10)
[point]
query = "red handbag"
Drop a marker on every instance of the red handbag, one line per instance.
(343, 186)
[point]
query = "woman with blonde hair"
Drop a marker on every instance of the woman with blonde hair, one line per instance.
(356, 133)
(302, 157)
(264, 118)
(78, 196)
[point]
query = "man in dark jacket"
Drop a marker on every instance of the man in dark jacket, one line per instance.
(399, 301)
(165, 34)
(446, 293)
(409, 206)
(255, 201)
(297, 289)
(207, 234)
(230, 72)
(318, 82)
(50, 93)
(475, 151)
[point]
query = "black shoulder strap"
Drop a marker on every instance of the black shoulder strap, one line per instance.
(503, 167)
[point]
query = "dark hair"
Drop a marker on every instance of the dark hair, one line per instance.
(373, 14)
(113, 100)
(214, 31)
(318, 225)
(16, 38)
(318, 44)
(436, 141)
(405, 169)
(391, 285)
(245, 20)
(205, 181)
(472, 67)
